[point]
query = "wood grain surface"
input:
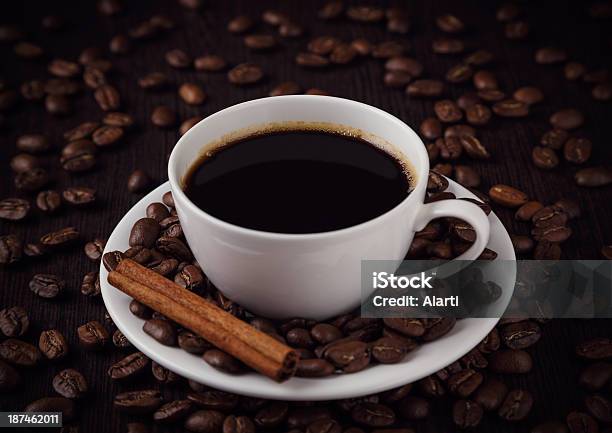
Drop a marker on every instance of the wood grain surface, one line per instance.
(565, 24)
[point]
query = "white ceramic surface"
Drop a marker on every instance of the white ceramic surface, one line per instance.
(290, 275)
(423, 361)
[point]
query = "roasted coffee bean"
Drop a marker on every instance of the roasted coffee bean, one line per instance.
(70, 383)
(9, 377)
(425, 88)
(14, 209)
(495, 95)
(163, 117)
(550, 55)
(139, 310)
(467, 176)
(362, 46)
(47, 285)
(53, 345)
(450, 23)
(448, 111)
(272, 414)
(545, 250)
(213, 399)
(570, 207)
(144, 233)
(464, 382)
(485, 80)
(240, 24)
(450, 148)
(53, 404)
(342, 54)
(507, 196)
(593, 177)
(90, 286)
(129, 366)
(522, 244)
(174, 247)
(314, 368)
(14, 321)
(11, 249)
(323, 45)
(511, 108)
(33, 90)
(48, 201)
(350, 356)
(138, 402)
(24, 162)
(324, 426)
(138, 181)
(153, 80)
(238, 424)
(82, 131)
(549, 216)
(171, 227)
(447, 46)
(595, 349)
(63, 68)
(528, 95)
(436, 182)
(163, 375)
(27, 50)
(577, 150)
(467, 414)
(491, 394)
(157, 211)
(554, 234)
(596, 376)
(602, 92)
(517, 30)
(192, 343)
(32, 180)
(107, 97)
(222, 361)
(94, 249)
(331, 10)
(178, 58)
(405, 326)
(300, 337)
(573, 70)
(431, 128)
(19, 353)
(366, 14)
(119, 44)
(112, 259)
(188, 124)
(387, 350)
(107, 135)
(404, 64)
(373, 415)
(79, 195)
(92, 335)
(459, 131)
(467, 100)
(550, 427)
(509, 361)
(528, 210)
(273, 17)
(94, 77)
(245, 73)
(516, 406)
(61, 87)
(286, 88)
(33, 143)
(311, 60)
(79, 155)
(521, 335)
(413, 408)
(473, 147)
(567, 119)
(544, 158)
(173, 411)
(478, 114)
(192, 93)
(580, 422)
(300, 417)
(161, 330)
(205, 421)
(120, 341)
(260, 41)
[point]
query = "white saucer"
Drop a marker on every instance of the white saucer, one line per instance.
(423, 361)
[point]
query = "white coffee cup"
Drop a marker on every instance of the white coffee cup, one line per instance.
(307, 275)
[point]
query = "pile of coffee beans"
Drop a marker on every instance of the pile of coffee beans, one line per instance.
(460, 103)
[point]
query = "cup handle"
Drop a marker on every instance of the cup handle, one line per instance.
(464, 210)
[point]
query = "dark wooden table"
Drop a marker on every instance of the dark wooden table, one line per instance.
(565, 24)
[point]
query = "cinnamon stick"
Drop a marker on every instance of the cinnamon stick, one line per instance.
(258, 350)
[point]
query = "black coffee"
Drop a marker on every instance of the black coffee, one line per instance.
(297, 181)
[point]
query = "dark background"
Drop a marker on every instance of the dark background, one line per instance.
(563, 24)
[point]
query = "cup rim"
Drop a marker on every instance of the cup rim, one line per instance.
(179, 194)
